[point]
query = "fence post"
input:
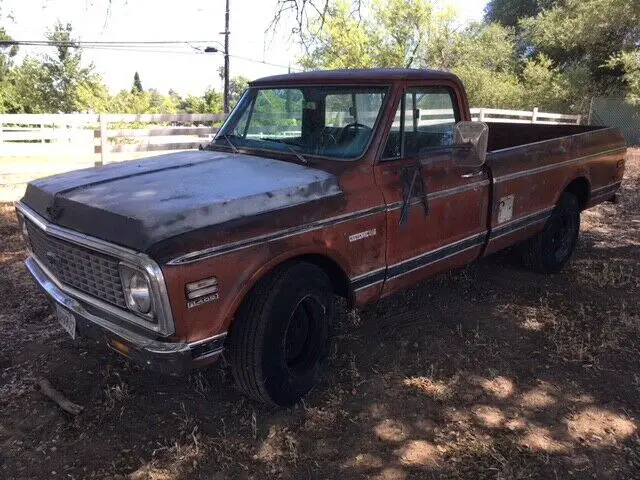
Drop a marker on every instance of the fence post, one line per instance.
(0, 132)
(104, 141)
(481, 115)
(534, 117)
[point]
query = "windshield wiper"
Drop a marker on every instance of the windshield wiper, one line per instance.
(233, 147)
(289, 147)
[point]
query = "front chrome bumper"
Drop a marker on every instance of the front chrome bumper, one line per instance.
(165, 357)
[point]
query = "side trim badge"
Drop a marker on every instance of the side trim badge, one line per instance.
(206, 299)
(362, 235)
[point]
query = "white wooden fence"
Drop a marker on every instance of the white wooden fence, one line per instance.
(522, 116)
(54, 135)
(87, 134)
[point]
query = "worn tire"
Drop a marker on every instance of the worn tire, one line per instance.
(279, 341)
(550, 249)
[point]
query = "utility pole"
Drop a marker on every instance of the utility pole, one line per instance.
(226, 58)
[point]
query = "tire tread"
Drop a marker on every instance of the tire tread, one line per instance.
(249, 328)
(533, 252)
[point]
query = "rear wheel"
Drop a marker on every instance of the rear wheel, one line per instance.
(549, 250)
(279, 341)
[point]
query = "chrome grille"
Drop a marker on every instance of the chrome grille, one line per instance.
(91, 272)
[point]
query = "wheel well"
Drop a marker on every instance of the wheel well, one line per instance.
(338, 278)
(581, 189)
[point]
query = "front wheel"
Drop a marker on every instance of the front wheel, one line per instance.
(549, 250)
(279, 341)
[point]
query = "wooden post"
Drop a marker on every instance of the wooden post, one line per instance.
(1, 132)
(42, 132)
(104, 141)
(534, 117)
(481, 115)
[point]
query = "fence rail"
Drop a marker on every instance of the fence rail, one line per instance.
(522, 116)
(90, 134)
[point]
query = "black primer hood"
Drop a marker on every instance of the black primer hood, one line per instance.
(137, 204)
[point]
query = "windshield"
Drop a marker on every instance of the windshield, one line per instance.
(329, 121)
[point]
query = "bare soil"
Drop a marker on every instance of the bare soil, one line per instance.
(486, 372)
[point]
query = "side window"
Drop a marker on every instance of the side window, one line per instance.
(425, 120)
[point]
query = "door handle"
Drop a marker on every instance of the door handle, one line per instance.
(479, 173)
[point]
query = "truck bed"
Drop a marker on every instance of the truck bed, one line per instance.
(508, 135)
(531, 165)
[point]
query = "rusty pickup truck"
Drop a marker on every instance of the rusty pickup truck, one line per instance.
(357, 183)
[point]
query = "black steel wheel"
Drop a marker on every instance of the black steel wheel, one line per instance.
(279, 340)
(551, 249)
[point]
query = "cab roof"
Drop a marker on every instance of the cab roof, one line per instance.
(360, 75)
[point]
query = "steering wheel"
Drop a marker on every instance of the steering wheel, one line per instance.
(321, 141)
(355, 125)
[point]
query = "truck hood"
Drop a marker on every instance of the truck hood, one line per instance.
(139, 203)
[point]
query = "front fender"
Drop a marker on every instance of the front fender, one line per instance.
(234, 284)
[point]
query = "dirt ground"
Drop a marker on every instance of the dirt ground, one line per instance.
(486, 372)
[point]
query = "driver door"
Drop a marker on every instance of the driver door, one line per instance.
(436, 210)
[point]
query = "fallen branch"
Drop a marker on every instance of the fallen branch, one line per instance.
(58, 398)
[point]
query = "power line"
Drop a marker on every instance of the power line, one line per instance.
(101, 42)
(116, 48)
(131, 47)
(255, 60)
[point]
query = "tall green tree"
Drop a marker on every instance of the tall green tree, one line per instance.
(396, 33)
(484, 57)
(237, 86)
(137, 84)
(7, 55)
(26, 92)
(66, 77)
(578, 34)
(629, 62)
(508, 13)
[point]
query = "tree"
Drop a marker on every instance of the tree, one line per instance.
(392, 36)
(26, 90)
(137, 84)
(7, 54)
(66, 77)
(210, 102)
(588, 34)
(509, 12)
(237, 86)
(629, 62)
(484, 57)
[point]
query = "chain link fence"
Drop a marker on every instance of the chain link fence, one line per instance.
(616, 112)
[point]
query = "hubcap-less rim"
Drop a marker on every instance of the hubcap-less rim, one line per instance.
(304, 336)
(562, 231)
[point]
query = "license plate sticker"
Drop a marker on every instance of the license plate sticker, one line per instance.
(67, 320)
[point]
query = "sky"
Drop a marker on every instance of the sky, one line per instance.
(178, 67)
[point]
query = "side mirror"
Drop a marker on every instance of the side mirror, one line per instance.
(470, 144)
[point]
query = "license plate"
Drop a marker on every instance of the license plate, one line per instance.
(67, 320)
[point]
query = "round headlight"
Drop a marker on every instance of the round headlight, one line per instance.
(139, 293)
